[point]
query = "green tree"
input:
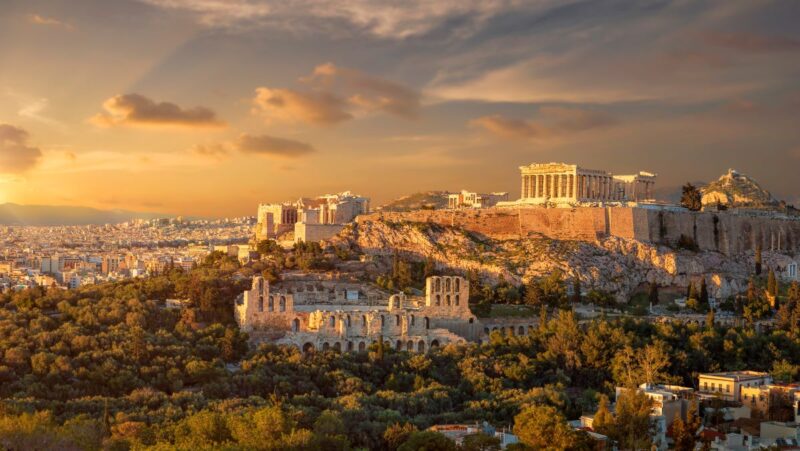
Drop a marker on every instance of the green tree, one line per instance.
(684, 433)
(632, 426)
(603, 422)
(652, 294)
(576, 291)
(691, 198)
(397, 434)
(758, 259)
(703, 293)
(543, 427)
(772, 283)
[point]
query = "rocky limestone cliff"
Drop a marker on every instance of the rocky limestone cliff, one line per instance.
(737, 190)
(613, 264)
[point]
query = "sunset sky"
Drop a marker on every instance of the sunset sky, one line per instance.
(208, 107)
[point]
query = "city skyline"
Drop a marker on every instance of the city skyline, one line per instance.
(206, 108)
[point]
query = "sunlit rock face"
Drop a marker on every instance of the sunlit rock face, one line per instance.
(613, 264)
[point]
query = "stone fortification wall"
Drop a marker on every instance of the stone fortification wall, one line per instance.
(726, 232)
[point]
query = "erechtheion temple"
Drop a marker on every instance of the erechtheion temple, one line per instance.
(321, 315)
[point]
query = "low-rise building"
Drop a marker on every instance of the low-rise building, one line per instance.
(728, 385)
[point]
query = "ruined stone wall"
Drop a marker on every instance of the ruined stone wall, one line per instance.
(726, 232)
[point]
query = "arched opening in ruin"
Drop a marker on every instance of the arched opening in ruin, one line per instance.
(434, 344)
(348, 321)
(494, 329)
(447, 284)
(447, 300)
(282, 305)
(412, 320)
(458, 287)
(438, 284)
(308, 347)
(409, 346)
(350, 346)
(337, 347)
(427, 323)
(271, 304)
(438, 300)
(458, 300)
(399, 345)
(362, 346)
(486, 330)
(471, 320)
(296, 325)
(521, 330)
(261, 304)
(397, 319)
(421, 346)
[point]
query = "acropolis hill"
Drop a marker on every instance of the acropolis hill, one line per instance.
(591, 225)
(727, 232)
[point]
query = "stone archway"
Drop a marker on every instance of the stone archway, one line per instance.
(434, 344)
(521, 330)
(350, 346)
(421, 346)
(399, 345)
(296, 325)
(326, 346)
(337, 347)
(362, 346)
(308, 348)
(409, 346)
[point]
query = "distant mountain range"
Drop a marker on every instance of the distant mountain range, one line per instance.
(52, 215)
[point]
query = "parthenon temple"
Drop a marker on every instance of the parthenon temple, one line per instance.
(570, 183)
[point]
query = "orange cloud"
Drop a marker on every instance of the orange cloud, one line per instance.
(255, 145)
(15, 154)
(136, 110)
(320, 108)
(552, 121)
(48, 21)
(273, 146)
(336, 94)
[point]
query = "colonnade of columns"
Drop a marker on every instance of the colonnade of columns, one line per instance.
(570, 186)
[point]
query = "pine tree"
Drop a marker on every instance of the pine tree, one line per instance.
(653, 294)
(758, 259)
(380, 347)
(692, 292)
(772, 283)
(710, 319)
(576, 290)
(691, 198)
(603, 421)
(703, 292)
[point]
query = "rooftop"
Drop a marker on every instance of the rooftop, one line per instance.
(737, 375)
